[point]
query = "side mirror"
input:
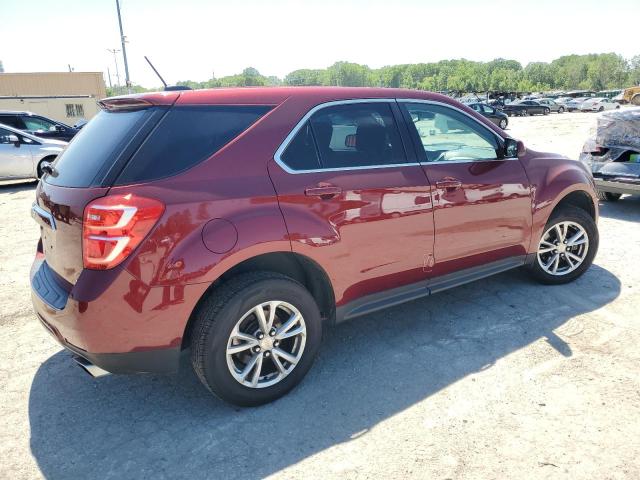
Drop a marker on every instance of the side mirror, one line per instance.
(513, 148)
(59, 128)
(15, 140)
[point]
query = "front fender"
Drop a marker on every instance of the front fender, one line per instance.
(552, 179)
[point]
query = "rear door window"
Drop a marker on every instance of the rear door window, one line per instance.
(13, 121)
(302, 154)
(186, 136)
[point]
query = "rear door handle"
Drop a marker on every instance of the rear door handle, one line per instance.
(449, 183)
(325, 191)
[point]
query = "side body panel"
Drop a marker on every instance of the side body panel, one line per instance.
(487, 218)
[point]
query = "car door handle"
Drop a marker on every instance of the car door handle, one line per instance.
(323, 191)
(449, 183)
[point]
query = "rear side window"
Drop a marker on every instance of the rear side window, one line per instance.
(344, 136)
(302, 154)
(13, 121)
(186, 136)
(97, 145)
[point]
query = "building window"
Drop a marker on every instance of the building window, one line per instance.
(75, 110)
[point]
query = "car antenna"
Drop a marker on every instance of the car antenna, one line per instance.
(167, 88)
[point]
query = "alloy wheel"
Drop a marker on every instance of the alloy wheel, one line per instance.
(266, 344)
(563, 248)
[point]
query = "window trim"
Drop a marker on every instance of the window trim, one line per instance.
(499, 138)
(289, 138)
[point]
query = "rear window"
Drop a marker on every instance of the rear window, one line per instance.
(186, 136)
(98, 143)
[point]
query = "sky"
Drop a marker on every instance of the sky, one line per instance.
(195, 39)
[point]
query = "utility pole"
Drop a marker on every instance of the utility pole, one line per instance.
(115, 59)
(109, 75)
(123, 39)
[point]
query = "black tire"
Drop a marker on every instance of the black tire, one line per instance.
(218, 314)
(561, 110)
(503, 123)
(601, 109)
(524, 113)
(546, 111)
(579, 216)
(609, 196)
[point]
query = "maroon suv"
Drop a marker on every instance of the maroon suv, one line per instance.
(238, 222)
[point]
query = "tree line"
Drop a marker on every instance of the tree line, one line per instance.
(571, 72)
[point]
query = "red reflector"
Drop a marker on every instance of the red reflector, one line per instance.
(114, 226)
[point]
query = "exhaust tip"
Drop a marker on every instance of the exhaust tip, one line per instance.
(90, 368)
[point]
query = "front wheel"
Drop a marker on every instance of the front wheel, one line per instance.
(255, 338)
(567, 247)
(525, 113)
(546, 111)
(561, 110)
(601, 109)
(503, 123)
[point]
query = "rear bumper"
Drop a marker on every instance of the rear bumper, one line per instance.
(617, 186)
(113, 320)
(150, 361)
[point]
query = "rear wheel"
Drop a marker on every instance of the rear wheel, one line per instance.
(609, 196)
(503, 123)
(561, 110)
(255, 338)
(525, 112)
(567, 247)
(601, 109)
(546, 111)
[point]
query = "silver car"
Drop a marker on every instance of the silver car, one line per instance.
(552, 104)
(23, 155)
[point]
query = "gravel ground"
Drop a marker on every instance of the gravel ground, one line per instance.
(501, 378)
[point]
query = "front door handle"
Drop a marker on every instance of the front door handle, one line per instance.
(323, 191)
(449, 183)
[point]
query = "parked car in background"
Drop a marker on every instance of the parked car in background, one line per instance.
(493, 114)
(25, 156)
(38, 125)
(598, 104)
(237, 223)
(574, 104)
(526, 107)
(613, 154)
(562, 100)
(552, 104)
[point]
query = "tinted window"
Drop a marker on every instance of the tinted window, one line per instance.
(449, 135)
(186, 136)
(99, 142)
(12, 121)
(357, 135)
(301, 153)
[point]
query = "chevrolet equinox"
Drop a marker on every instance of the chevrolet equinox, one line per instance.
(234, 224)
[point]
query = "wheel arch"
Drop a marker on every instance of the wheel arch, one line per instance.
(299, 267)
(580, 199)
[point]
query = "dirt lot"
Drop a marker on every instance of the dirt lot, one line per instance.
(499, 379)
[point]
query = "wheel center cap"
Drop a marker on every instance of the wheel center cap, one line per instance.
(266, 343)
(562, 248)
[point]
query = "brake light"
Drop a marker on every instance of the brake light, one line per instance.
(114, 226)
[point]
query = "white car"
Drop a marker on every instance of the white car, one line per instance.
(598, 104)
(25, 156)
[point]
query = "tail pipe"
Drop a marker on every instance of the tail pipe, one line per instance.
(90, 368)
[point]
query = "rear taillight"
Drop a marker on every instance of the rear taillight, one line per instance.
(114, 226)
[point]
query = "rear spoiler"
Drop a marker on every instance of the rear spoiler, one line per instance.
(138, 102)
